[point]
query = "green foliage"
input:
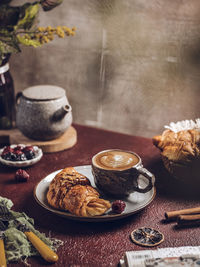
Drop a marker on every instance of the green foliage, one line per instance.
(28, 13)
(9, 16)
(8, 44)
(28, 42)
(12, 19)
(18, 21)
(17, 245)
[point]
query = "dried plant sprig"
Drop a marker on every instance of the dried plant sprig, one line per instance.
(18, 26)
(44, 35)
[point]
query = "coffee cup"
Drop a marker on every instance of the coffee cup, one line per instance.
(117, 172)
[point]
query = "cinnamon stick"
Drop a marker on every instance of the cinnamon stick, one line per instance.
(188, 219)
(174, 214)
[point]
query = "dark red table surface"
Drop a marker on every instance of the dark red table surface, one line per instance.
(100, 243)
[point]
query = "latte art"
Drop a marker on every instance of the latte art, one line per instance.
(115, 160)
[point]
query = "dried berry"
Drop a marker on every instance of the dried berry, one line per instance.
(18, 148)
(21, 176)
(22, 157)
(118, 206)
(28, 148)
(147, 236)
(6, 150)
(6, 155)
(18, 153)
(19, 156)
(29, 152)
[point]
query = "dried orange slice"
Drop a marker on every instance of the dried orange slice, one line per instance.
(147, 237)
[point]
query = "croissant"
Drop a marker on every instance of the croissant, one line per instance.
(180, 153)
(62, 183)
(70, 190)
(84, 201)
(182, 146)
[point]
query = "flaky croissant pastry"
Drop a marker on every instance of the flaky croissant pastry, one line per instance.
(71, 191)
(84, 201)
(62, 183)
(180, 153)
(182, 146)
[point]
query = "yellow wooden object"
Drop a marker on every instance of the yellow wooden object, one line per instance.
(2, 254)
(41, 247)
(65, 141)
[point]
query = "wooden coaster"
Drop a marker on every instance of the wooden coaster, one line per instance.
(14, 136)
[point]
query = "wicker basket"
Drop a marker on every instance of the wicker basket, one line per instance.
(188, 173)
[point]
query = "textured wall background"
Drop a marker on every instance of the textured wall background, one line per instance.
(132, 67)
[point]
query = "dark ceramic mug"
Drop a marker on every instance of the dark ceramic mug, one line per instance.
(120, 180)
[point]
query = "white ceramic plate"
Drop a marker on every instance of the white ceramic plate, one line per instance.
(134, 203)
(25, 163)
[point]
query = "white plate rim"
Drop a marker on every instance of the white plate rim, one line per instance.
(101, 218)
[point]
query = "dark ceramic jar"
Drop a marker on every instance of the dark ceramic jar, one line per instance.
(7, 96)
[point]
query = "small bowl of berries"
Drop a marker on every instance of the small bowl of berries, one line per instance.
(20, 155)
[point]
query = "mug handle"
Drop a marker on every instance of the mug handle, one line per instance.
(148, 175)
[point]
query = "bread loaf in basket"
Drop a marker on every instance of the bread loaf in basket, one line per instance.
(180, 150)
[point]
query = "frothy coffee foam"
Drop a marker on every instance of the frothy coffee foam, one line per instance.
(115, 160)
